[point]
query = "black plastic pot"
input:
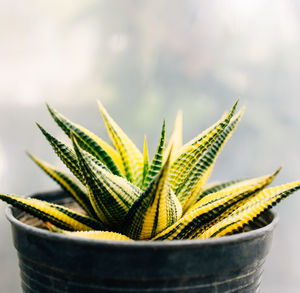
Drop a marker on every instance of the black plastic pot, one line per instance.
(51, 262)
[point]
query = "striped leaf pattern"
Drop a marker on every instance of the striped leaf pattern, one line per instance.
(68, 184)
(65, 153)
(236, 218)
(56, 214)
(102, 235)
(90, 142)
(155, 210)
(212, 188)
(187, 161)
(124, 197)
(111, 196)
(192, 198)
(211, 206)
(203, 167)
(246, 188)
(68, 157)
(131, 157)
(146, 160)
(157, 161)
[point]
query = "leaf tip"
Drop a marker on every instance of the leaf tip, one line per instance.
(50, 109)
(99, 104)
(169, 154)
(101, 108)
(179, 117)
(40, 127)
(145, 141)
(278, 170)
(28, 154)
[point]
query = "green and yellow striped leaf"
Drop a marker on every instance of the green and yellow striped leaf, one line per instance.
(155, 210)
(211, 206)
(65, 153)
(176, 138)
(193, 151)
(94, 163)
(235, 219)
(192, 198)
(89, 142)
(157, 161)
(248, 187)
(214, 187)
(100, 235)
(187, 145)
(131, 157)
(68, 157)
(56, 214)
(146, 160)
(111, 196)
(198, 176)
(68, 184)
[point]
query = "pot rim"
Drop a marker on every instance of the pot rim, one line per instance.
(240, 237)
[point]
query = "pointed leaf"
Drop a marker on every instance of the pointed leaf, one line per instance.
(176, 137)
(157, 161)
(198, 176)
(67, 183)
(111, 196)
(89, 142)
(65, 153)
(55, 214)
(212, 188)
(131, 157)
(101, 235)
(194, 196)
(211, 206)
(155, 210)
(249, 187)
(187, 160)
(235, 219)
(146, 160)
(68, 157)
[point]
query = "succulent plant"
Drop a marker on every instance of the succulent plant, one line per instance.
(123, 196)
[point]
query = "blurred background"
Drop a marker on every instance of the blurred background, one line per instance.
(144, 60)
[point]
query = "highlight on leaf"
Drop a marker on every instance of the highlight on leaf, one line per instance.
(123, 196)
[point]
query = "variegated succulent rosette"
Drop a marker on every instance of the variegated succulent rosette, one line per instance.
(124, 196)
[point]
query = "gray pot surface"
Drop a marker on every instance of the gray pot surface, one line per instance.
(52, 262)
